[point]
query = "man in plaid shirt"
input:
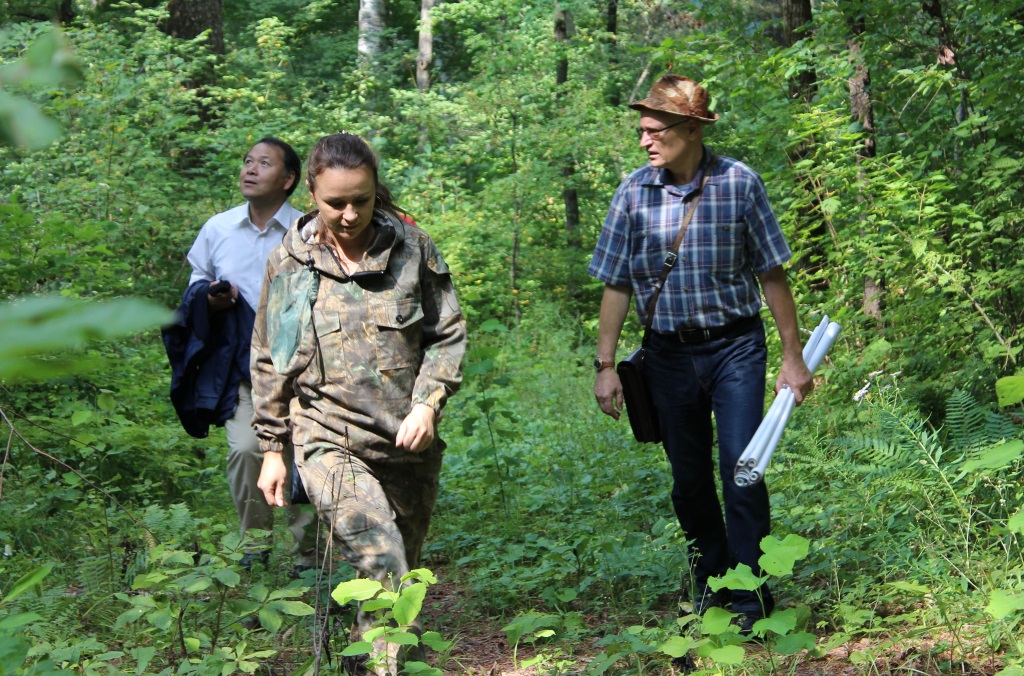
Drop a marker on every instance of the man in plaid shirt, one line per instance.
(706, 353)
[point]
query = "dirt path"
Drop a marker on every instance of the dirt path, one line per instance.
(481, 649)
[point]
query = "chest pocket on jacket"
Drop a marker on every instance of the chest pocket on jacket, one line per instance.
(399, 332)
(331, 358)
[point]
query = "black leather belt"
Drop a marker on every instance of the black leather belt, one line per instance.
(698, 336)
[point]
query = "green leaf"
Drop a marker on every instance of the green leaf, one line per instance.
(12, 623)
(359, 589)
(741, 577)
(780, 555)
(781, 621)
(270, 619)
(1016, 523)
(730, 654)
(409, 604)
(402, 638)
(26, 582)
(1002, 603)
(227, 577)
(433, 640)
(791, 644)
(48, 324)
(716, 621)
(1010, 390)
(911, 587)
(79, 417)
(143, 656)
(677, 646)
(421, 574)
(106, 402)
(996, 457)
(358, 648)
(294, 608)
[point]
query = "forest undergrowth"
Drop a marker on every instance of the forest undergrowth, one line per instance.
(895, 544)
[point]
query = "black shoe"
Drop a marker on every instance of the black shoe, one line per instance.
(249, 558)
(298, 569)
(711, 599)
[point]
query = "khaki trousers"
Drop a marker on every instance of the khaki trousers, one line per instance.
(245, 460)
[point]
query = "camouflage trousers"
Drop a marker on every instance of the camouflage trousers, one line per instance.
(378, 514)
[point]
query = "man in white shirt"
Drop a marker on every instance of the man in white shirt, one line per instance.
(234, 246)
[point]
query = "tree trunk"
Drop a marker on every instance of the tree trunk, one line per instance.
(187, 19)
(426, 46)
(371, 25)
(612, 26)
(863, 111)
(796, 15)
(66, 13)
(563, 28)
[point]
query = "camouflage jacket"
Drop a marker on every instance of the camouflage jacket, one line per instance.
(388, 336)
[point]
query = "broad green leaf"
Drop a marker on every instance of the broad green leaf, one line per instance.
(161, 619)
(12, 623)
(780, 555)
(359, 589)
(143, 656)
(402, 638)
(379, 603)
(413, 667)
(677, 646)
(791, 644)
(50, 324)
(409, 604)
(716, 621)
(79, 417)
(270, 619)
(996, 457)
(227, 577)
(433, 640)
(740, 577)
(1016, 523)
(358, 648)
(781, 621)
(1002, 603)
(911, 587)
(294, 608)
(1010, 390)
(106, 402)
(26, 582)
(421, 574)
(730, 654)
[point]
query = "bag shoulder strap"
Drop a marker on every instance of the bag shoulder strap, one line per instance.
(672, 256)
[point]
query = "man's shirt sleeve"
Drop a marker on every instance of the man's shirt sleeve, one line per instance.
(767, 246)
(610, 262)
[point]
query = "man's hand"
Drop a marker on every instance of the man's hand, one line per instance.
(273, 477)
(608, 392)
(797, 376)
(416, 432)
(222, 301)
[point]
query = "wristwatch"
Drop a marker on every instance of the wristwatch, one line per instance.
(602, 364)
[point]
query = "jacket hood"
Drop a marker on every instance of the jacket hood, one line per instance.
(300, 243)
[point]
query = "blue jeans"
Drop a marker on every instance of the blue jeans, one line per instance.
(689, 383)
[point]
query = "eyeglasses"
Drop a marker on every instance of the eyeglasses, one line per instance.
(655, 134)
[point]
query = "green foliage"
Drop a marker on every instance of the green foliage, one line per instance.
(395, 619)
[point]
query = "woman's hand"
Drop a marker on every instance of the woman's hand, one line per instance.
(272, 480)
(417, 430)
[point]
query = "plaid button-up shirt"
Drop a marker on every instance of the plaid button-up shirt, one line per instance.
(733, 237)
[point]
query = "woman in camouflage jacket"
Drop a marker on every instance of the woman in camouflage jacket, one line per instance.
(357, 346)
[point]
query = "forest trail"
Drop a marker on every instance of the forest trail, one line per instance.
(481, 648)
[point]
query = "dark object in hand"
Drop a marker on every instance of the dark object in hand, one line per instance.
(221, 287)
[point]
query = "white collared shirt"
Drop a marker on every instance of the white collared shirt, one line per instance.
(230, 247)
